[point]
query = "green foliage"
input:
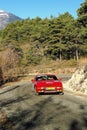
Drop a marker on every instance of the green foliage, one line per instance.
(33, 58)
(83, 9)
(34, 55)
(82, 14)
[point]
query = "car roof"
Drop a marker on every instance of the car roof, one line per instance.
(45, 75)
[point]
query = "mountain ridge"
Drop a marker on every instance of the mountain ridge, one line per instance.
(6, 18)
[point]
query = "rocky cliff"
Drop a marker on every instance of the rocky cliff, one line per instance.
(78, 81)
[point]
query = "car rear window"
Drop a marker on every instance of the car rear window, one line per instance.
(46, 77)
(52, 77)
(41, 78)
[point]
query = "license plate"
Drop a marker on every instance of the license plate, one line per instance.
(50, 88)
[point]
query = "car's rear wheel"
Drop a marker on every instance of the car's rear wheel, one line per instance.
(36, 93)
(62, 93)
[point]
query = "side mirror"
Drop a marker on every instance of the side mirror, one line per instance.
(59, 79)
(32, 80)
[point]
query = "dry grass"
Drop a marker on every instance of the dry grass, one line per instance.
(3, 118)
(82, 61)
(52, 67)
(56, 67)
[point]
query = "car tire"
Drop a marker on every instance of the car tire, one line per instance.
(36, 93)
(62, 93)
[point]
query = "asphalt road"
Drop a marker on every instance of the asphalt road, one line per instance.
(27, 111)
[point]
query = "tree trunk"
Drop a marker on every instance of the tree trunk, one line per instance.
(60, 55)
(77, 54)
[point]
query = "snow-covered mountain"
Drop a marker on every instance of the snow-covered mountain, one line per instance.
(6, 18)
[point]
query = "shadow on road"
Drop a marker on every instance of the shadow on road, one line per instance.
(10, 89)
(46, 115)
(6, 103)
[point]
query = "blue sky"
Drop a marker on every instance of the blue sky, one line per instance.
(40, 8)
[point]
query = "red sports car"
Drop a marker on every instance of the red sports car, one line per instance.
(47, 83)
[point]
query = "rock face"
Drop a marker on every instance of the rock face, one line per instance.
(78, 81)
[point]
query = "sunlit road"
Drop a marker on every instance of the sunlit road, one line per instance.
(26, 111)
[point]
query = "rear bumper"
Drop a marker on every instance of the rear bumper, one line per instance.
(44, 91)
